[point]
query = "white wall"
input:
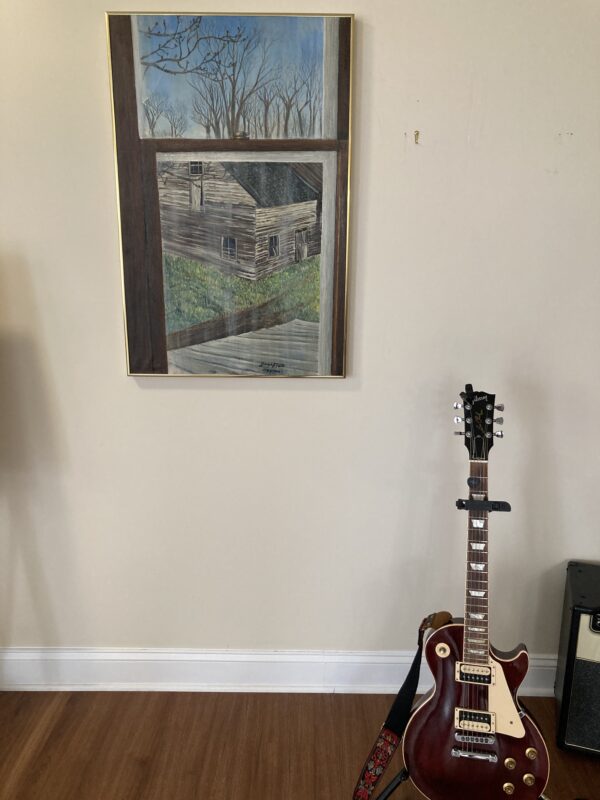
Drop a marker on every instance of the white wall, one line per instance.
(311, 514)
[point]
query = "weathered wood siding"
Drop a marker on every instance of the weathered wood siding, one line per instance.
(284, 221)
(228, 210)
(219, 186)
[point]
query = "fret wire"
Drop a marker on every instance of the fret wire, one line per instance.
(476, 642)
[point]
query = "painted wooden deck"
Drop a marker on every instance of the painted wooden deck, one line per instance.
(288, 349)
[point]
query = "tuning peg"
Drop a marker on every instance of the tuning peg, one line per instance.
(458, 420)
(457, 404)
(499, 434)
(499, 407)
(499, 420)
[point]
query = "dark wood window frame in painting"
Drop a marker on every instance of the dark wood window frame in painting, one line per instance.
(274, 246)
(229, 247)
(148, 339)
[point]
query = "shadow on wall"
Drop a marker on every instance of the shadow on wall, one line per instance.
(423, 536)
(33, 525)
(542, 519)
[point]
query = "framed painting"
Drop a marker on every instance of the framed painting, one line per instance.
(232, 138)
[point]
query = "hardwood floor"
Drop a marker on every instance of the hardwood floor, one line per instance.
(151, 746)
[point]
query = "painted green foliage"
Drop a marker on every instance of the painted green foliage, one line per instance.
(197, 293)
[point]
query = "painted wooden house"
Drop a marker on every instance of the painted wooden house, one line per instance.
(249, 218)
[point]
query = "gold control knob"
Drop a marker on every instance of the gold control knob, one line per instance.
(510, 763)
(531, 753)
(528, 779)
(509, 788)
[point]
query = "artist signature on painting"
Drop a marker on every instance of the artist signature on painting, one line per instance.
(272, 367)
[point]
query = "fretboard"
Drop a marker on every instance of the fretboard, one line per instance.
(477, 639)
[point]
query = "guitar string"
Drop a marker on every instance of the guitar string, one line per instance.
(475, 582)
(480, 582)
(466, 650)
(478, 696)
(468, 605)
(465, 689)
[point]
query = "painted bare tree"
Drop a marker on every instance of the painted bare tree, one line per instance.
(289, 89)
(241, 71)
(300, 92)
(237, 88)
(208, 109)
(182, 45)
(312, 101)
(175, 115)
(226, 70)
(267, 109)
(154, 107)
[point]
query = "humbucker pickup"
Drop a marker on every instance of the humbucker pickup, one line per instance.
(466, 719)
(475, 673)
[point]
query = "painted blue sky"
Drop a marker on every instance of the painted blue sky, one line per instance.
(293, 42)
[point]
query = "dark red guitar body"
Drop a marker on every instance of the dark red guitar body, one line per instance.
(431, 734)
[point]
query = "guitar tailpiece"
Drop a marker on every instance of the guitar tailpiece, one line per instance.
(483, 505)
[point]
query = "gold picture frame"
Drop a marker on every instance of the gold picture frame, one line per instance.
(232, 148)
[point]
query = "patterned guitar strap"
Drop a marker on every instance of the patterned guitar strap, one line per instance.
(396, 721)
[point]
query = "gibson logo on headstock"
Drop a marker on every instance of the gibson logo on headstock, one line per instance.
(479, 399)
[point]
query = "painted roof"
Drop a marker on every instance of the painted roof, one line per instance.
(271, 184)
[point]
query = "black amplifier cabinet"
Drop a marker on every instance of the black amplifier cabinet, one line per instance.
(577, 687)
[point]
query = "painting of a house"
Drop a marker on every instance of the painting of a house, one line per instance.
(232, 141)
(249, 219)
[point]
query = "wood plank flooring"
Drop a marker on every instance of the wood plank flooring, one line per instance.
(159, 746)
(288, 349)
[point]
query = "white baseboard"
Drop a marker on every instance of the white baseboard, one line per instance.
(96, 669)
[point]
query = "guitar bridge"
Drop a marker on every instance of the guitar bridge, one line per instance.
(466, 719)
(479, 756)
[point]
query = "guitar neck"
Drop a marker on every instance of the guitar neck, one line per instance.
(477, 640)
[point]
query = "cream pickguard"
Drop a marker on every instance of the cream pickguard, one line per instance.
(501, 703)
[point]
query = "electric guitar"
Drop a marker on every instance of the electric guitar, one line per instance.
(470, 737)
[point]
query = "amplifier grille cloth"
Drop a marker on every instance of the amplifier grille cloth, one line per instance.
(583, 725)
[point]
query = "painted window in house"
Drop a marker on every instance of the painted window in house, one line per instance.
(196, 188)
(229, 247)
(273, 246)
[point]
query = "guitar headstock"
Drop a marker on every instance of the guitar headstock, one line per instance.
(478, 409)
